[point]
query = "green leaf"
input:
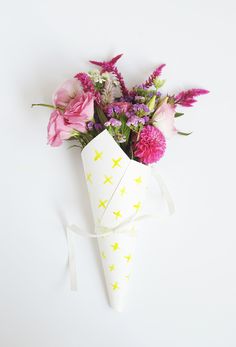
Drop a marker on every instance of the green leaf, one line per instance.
(100, 114)
(178, 114)
(125, 130)
(151, 103)
(158, 83)
(184, 134)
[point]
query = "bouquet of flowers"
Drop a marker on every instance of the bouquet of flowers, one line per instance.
(121, 131)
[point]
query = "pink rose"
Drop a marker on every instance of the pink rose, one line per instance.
(58, 130)
(67, 91)
(163, 119)
(79, 111)
(75, 109)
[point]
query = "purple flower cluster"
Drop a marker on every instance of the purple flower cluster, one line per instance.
(141, 109)
(113, 109)
(135, 121)
(113, 122)
(94, 126)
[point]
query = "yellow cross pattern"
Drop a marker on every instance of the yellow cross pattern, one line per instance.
(137, 206)
(115, 286)
(116, 162)
(102, 203)
(123, 191)
(117, 214)
(128, 258)
(115, 246)
(107, 179)
(98, 155)
(103, 255)
(89, 177)
(138, 180)
(112, 267)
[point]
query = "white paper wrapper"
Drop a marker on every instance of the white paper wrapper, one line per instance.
(117, 188)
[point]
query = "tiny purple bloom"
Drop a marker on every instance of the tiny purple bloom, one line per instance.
(90, 125)
(98, 126)
(113, 122)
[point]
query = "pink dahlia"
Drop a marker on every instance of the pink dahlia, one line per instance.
(151, 145)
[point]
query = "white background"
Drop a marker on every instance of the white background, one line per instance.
(183, 290)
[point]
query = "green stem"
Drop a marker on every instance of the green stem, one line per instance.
(44, 105)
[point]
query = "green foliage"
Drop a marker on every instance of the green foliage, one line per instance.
(100, 114)
(178, 114)
(144, 92)
(158, 83)
(151, 103)
(183, 133)
(124, 129)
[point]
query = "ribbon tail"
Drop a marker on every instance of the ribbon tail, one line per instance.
(164, 192)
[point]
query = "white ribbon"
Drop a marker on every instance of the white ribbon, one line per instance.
(102, 231)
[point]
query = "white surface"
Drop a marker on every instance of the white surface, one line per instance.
(185, 293)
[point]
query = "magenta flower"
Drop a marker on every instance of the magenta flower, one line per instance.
(109, 66)
(151, 145)
(149, 82)
(58, 130)
(188, 97)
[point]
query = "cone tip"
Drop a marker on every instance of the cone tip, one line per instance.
(117, 306)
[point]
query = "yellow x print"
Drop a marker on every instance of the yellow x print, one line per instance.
(117, 214)
(116, 162)
(108, 179)
(102, 203)
(98, 155)
(115, 286)
(138, 180)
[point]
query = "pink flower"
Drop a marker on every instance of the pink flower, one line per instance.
(151, 145)
(58, 130)
(79, 111)
(76, 106)
(164, 118)
(66, 92)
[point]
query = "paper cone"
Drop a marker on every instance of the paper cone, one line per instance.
(117, 188)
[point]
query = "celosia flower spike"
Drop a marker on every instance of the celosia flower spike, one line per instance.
(187, 97)
(109, 66)
(106, 65)
(87, 84)
(154, 75)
